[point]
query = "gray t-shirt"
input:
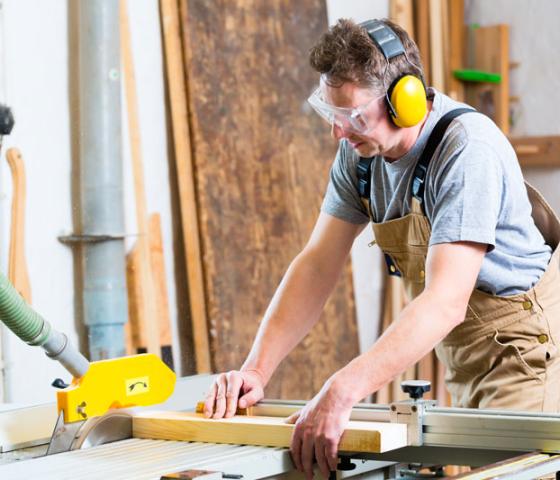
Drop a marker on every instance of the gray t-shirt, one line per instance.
(474, 191)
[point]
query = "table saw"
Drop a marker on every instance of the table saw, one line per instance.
(106, 424)
(505, 444)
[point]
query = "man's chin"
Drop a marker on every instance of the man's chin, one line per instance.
(365, 149)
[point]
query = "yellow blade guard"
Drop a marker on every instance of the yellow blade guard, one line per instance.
(138, 380)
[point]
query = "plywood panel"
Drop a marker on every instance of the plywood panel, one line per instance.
(359, 436)
(261, 166)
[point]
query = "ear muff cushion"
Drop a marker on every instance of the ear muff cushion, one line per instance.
(408, 97)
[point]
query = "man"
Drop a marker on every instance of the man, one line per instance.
(449, 208)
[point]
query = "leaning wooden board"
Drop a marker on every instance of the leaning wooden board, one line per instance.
(359, 436)
(261, 161)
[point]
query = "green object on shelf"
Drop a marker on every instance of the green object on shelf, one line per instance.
(477, 76)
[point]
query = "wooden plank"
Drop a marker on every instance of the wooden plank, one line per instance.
(436, 44)
(176, 81)
(261, 163)
(136, 334)
(540, 152)
(455, 88)
(490, 53)
(401, 12)
(17, 264)
(422, 29)
(146, 302)
(160, 287)
(359, 436)
(134, 331)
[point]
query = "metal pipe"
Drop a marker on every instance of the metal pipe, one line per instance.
(101, 185)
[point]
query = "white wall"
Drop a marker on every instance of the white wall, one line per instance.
(35, 83)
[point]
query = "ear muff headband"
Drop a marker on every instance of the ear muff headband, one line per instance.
(406, 97)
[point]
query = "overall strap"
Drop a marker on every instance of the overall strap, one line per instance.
(419, 176)
(363, 169)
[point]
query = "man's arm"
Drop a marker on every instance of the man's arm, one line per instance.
(451, 273)
(294, 309)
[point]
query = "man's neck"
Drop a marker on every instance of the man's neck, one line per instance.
(408, 139)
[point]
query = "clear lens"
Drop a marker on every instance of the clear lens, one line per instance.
(349, 119)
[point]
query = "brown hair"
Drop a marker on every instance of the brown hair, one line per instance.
(346, 53)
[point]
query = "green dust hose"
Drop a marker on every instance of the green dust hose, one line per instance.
(33, 329)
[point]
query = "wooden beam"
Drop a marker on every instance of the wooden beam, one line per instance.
(541, 152)
(422, 30)
(436, 43)
(359, 436)
(186, 180)
(400, 12)
(17, 265)
(146, 301)
(455, 88)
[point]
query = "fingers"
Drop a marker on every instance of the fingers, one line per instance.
(331, 452)
(293, 417)
(220, 407)
(307, 454)
(321, 458)
(234, 383)
(251, 397)
(210, 400)
(295, 449)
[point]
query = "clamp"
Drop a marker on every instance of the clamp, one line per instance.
(412, 411)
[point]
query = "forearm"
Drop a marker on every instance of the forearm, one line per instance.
(292, 312)
(419, 328)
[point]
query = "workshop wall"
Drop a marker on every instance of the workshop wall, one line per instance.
(534, 40)
(36, 80)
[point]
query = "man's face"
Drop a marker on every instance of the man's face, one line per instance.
(374, 141)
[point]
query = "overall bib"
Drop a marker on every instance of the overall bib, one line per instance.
(505, 353)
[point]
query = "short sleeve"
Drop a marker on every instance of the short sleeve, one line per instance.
(342, 199)
(467, 196)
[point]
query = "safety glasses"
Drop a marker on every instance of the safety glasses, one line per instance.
(354, 120)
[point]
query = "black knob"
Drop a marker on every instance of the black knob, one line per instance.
(59, 383)
(416, 388)
(6, 120)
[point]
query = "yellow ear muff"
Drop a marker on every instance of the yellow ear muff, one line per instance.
(408, 98)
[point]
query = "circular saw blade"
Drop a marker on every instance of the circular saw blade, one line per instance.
(113, 426)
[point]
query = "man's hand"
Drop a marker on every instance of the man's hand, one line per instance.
(318, 428)
(233, 389)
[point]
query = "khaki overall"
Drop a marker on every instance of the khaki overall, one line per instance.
(505, 354)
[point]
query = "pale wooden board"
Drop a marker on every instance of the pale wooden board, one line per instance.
(373, 437)
(178, 104)
(437, 61)
(400, 12)
(146, 300)
(455, 88)
(17, 265)
(422, 38)
(539, 152)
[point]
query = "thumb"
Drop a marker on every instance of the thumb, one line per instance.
(293, 417)
(250, 398)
